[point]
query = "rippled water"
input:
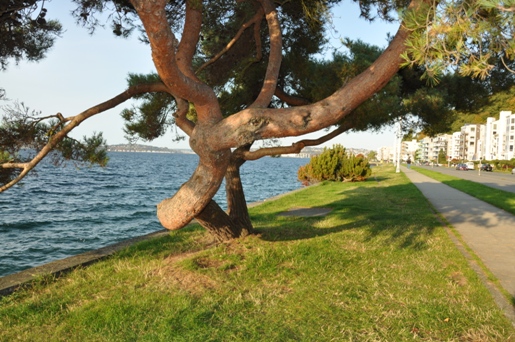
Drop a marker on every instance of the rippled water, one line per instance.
(63, 212)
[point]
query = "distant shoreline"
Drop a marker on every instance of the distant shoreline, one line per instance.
(145, 149)
(307, 152)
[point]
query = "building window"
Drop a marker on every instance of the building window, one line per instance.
(511, 137)
(511, 148)
(471, 143)
(472, 129)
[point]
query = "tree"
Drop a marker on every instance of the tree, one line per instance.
(229, 94)
(372, 155)
(25, 33)
(335, 164)
(471, 36)
(442, 157)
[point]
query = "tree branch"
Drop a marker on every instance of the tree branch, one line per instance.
(163, 45)
(297, 146)
(74, 121)
(255, 20)
(15, 9)
(180, 116)
(290, 100)
(189, 39)
(261, 123)
(274, 60)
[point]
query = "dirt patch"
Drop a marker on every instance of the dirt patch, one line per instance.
(306, 212)
(171, 275)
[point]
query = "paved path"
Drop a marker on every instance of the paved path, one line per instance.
(498, 180)
(487, 230)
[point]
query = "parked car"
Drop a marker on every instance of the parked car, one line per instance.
(462, 167)
(513, 171)
(486, 167)
(470, 165)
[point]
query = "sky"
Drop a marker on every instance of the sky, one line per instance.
(83, 70)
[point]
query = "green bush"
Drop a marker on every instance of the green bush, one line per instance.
(335, 164)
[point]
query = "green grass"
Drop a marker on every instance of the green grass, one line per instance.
(498, 198)
(379, 267)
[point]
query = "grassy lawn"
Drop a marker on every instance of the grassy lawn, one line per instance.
(498, 198)
(379, 267)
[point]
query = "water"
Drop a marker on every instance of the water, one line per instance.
(64, 212)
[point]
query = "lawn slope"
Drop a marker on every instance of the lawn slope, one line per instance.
(378, 267)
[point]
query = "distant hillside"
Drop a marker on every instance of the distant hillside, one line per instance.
(306, 152)
(144, 148)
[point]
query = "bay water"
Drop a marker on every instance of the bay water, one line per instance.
(62, 212)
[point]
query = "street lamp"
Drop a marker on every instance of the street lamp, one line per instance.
(398, 147)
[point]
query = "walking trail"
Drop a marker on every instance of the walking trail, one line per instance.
(487, 230)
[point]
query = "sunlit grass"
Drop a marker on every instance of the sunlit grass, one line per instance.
(379, 267)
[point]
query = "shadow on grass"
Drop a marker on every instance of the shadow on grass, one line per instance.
(399, 215)
(498, 198)
(378, 179)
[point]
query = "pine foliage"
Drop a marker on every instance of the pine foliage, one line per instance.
(335, 164)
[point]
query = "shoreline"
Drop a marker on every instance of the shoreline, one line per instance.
(11, 282)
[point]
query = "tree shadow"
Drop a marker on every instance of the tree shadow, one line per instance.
(398, 215)
(503, 199)
(459, 208)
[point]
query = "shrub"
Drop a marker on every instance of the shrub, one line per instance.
(335, 164)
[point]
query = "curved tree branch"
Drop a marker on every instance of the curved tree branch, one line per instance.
(274, 60)
(74, 121)
(189, 39)
(163, 45)
(297, 146)
(260, 123)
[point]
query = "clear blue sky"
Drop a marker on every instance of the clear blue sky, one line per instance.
(83, 70)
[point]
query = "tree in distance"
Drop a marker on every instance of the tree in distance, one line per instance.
(230, 73)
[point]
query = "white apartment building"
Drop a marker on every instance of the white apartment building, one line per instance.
(408, 149)
(493, 140)
(455, 150)
(385, 153)
(501, 145)
(469, 142)
(430, 147)
(496, 138)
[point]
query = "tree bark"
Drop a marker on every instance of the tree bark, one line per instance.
(235, 222)
(236, 203)
(218, 223)
(189, 201)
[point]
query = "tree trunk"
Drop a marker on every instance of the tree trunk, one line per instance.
(218, 223)
(192, 197)
(236, 222)
(236, 203)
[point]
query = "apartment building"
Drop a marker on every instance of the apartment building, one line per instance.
(498, 137)
(430, 147)
(408, 149)
(493, 140)
(385, 153)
